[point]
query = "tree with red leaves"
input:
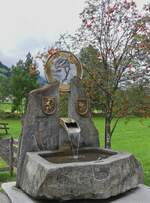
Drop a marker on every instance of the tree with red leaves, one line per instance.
(118, 32)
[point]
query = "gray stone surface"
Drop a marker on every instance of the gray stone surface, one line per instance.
(15, 194)
(42, 135)
(40, 131)
(89, 133)
(98, 179)
(139, 195)
(4, 198)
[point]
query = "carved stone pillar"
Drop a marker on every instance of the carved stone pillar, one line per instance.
(40, 129)
(79, 109)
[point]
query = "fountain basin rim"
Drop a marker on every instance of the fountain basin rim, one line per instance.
(43, 179)
(40, 158)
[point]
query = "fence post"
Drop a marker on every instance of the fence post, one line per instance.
(11, 156)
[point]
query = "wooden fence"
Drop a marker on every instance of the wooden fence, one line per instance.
(8, 152)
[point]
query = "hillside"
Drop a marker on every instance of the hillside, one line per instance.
(4, 70)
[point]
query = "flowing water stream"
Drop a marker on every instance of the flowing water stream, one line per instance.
(74, 138)
(73, 132)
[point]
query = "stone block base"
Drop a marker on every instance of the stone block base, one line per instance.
(140, 194)
(101, 178)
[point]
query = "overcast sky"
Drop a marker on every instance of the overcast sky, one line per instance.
(30, 25)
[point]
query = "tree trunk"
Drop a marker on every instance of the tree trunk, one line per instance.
(108, 130)
(25, 104)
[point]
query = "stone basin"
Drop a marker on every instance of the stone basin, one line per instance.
(85, 155)
(97, 174)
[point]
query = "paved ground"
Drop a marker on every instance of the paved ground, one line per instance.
(139, 195)
(4, 198)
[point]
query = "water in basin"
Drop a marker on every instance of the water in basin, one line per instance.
(84, 156)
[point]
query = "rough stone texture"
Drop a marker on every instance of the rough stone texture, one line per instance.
(40, 131)
(63, 139)
(98, 179)
(138, 195)
(41, 179)
(89, 133)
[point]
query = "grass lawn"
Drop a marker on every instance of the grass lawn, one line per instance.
(5, 107)
(15, 128)
(5, 176)
(14, 124)
(133, 136)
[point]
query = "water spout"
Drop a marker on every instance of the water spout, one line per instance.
(73, 131)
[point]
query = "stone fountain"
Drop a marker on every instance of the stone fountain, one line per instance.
(61, 158)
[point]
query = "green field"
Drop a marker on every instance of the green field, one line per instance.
(5, 107)
(15, 128)
(132, 136)
(14, 124)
